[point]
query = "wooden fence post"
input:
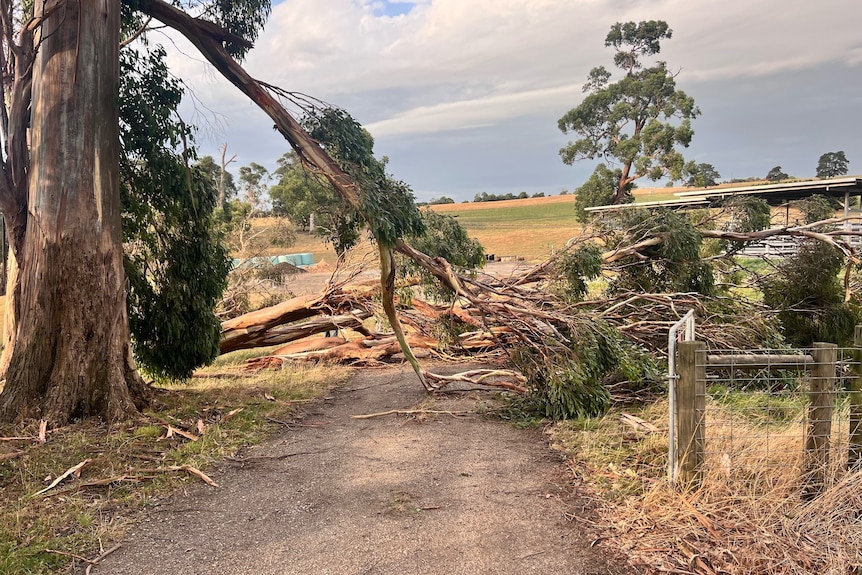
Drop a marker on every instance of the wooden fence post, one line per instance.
(819, 426)
(690, 411)
(854, 454)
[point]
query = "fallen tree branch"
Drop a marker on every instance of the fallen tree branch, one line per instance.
(411, 412)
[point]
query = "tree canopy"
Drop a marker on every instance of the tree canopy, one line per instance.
(599, 190)
(635, 123)
(776, 174)
(701, 175)
(832, 164)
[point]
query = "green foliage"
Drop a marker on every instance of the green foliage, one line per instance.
(244, 18)
(638, 121)
(816, 208)
(776, 175)
(807, 295)
(832, 164)
(486, 197)
(572, 383)
(573, 269)
(672, 265)
(254, 179)
(175, 260)
(747, 214)
(701, 175)
(599, 190)
(441, 200)
(643, 38)
(387, 203)
(443, 237)
(299, 194)
(212, 172)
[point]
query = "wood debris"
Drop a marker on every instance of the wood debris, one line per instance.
(74, 470)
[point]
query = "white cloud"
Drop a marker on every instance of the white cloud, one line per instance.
(469, 114)
(462, 64)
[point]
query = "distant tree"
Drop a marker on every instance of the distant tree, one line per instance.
(632, 123)
(253, 179)
(538, 195)
(599, 190)
(213, 172)
(298, 194)
(441, 200)
(832, 164)
(776, 175)
(523, 195)
(701, 175)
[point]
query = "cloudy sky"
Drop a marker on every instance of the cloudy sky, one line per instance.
(464, 95)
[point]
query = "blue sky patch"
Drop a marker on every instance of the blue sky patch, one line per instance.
(393, 8)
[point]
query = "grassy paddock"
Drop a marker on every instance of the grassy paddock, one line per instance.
(531, 228)
(747, 516)
(132, 463)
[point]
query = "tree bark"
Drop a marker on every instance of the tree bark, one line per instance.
(70, 353)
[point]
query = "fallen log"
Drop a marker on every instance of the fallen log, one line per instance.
(240, 332)
(311, 344)
(256, 336)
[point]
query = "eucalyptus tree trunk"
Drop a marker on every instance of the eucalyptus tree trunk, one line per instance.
(69, 354)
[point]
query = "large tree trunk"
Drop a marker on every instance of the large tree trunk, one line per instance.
(70, 351)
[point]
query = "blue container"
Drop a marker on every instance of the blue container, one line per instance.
(306, 259)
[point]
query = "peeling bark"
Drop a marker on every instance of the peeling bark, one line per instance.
(71, 354)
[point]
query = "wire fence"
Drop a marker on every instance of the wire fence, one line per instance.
(757, 420)
(759, 416)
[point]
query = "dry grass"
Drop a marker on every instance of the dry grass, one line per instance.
(742, 519)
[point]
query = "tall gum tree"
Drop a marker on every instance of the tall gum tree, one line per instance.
(68, 352)
(67, 349)
(636, 123)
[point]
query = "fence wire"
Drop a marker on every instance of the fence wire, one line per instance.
(765, 423)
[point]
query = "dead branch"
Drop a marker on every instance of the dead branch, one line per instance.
(411, 412)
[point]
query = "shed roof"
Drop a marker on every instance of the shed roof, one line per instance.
(772, 193)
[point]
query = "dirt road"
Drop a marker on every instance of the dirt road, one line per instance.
(433, 494)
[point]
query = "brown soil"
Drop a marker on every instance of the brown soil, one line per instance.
(396, 494)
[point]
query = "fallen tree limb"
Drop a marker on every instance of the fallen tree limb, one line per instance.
(255, 335)
(411, 412)
(482, 377)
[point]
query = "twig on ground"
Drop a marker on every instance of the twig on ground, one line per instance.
(72, 470)
(412, 412)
